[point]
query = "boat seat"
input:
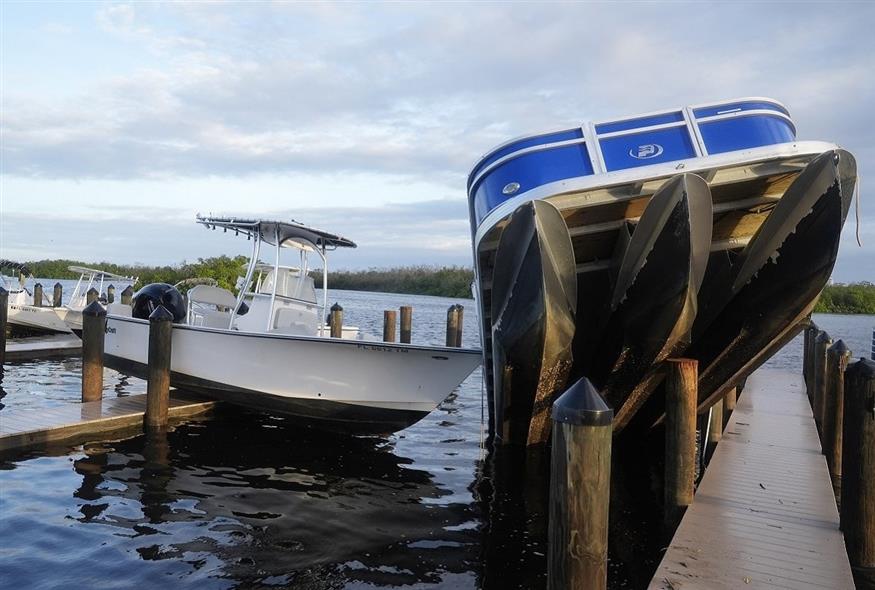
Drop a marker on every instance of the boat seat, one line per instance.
(209, 295)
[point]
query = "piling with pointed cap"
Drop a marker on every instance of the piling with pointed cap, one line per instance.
(336, 321)
(821, 344)
(57, 295)
(158, 371)
(4, 302)
(389, 325)
(858, 464)
(110, 294)
(93, 333)
(38, 295)
(91, 295)
(127, 295)
(837, 358)
(406, 323)
(452, 325)
(681, 394)
(579, 489)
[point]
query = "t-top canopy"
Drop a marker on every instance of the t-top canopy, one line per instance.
(290, 232)
(97, 274)
(22, 268)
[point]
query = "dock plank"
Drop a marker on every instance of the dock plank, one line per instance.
(764, 515)
(89, 420)
(23, 349)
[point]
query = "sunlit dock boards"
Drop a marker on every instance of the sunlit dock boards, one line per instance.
(764, 515)
(24, 349)
(81, 422)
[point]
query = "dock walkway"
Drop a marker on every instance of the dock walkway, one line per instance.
(764, 515)
(81, 422)
(34, 347)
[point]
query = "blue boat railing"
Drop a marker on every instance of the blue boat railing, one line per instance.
(620, 144)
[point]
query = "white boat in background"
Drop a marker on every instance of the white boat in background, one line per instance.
(21, 311)
(71, 312)
(269, 347)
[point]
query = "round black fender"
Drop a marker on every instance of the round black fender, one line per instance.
(151, 296)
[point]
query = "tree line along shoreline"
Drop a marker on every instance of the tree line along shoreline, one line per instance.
(443, 281)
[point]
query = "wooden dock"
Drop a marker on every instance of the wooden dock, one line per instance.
(36, 347)
(88, 421)
(764, 515)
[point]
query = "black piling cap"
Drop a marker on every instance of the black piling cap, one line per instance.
(863, 369)
(840, 349)
(336, 307)
(822, 336)
(160, 314)
(3, 291)
(582, 405)
(59, 286)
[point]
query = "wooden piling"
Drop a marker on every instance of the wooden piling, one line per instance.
(837, 358)
(808, 360)
(4, 310)
(452, 325)
(127, 295)
(460, 311)
(406, 323)
(158, 371)
(110, 294)
(681, 394)
(729, 401)
(91, 295)
(858, 464)
(336, 321)
(57, 295)
(389, 325)
(715, 431)
(93, 332)
(821, 344)
(38, 295)
(579, 490)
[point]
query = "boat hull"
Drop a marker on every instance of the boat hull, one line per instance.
(43, 319)
(363, 387)
(534, 298)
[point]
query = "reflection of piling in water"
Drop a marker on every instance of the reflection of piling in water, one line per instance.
(155, 475)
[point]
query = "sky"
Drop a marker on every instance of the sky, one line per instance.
(119, 122)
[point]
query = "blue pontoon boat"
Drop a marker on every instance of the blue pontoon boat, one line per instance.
(603, 249)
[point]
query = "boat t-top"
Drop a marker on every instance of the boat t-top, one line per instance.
(268, 346)
(90, 278)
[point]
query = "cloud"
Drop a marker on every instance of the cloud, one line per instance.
(427, 232)
(412, 91)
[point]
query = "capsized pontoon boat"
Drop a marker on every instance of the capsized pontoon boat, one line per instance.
(268, 347)
(706, 230)
(21, 311)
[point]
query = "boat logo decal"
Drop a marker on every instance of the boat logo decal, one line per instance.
(646, 151)
(510, 188)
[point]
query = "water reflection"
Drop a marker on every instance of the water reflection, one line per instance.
(270, 500)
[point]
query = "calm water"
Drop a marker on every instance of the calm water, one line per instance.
(245, 500)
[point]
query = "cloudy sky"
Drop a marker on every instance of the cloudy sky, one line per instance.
(121, 121)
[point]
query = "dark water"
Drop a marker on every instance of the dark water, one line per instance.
(246, 500)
